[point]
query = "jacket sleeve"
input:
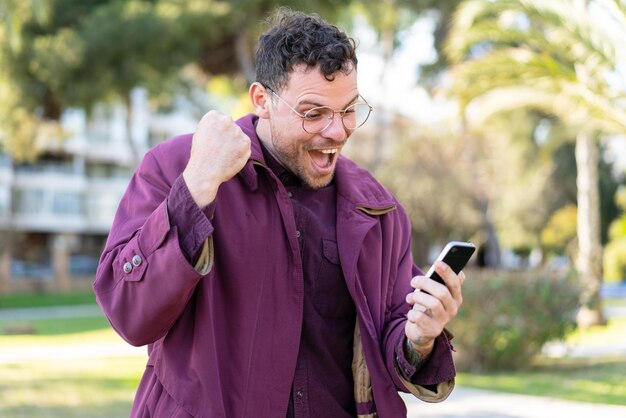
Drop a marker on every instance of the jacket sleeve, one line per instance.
(434, 381)
(144, 280)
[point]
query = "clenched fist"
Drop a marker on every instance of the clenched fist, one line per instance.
(219, 150)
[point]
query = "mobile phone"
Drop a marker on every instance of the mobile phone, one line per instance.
(456, 254)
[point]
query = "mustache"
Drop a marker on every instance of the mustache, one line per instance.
(326, 145)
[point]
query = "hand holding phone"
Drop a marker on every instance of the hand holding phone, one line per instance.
(456, 254)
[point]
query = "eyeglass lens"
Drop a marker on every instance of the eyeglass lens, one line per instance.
(317, 119)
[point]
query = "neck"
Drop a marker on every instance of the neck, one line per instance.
(262, 129)
(265, 136)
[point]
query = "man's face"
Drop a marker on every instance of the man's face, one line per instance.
(312, 157)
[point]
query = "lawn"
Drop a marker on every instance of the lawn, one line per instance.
(63, 384)
(86, 388)
(67, 386)
(58, 384)
(589, 380)
(29, 300)
(597, 380)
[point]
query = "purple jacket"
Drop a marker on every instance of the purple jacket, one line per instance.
(223, 335)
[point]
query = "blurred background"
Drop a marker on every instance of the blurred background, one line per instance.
(499, 122)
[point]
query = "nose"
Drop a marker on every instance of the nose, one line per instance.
(336, 131)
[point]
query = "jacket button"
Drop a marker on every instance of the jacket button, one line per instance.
(298, 234)
(300, 394)
(137, 261)
(127, 267)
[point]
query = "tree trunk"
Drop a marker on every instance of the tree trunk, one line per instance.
(589, 262)
(128, 103)
(60, 262)
(5, 266)
(491, 250)
(7, 238)
(383, 122)
(245, 56)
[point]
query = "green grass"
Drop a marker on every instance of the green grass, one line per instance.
(588, 380)
(596, 380)
(32, 300)
(86, 388)
(68, 387)
(614, 302)
(615, 331)
(60, 327)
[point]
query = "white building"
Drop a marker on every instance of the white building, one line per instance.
(55, 214)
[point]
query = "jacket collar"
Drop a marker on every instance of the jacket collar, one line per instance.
(361, 190)
(248, 173)
(354, 184)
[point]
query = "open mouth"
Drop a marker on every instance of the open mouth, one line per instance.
(324, 159)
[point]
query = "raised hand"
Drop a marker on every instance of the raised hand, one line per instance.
(219, 150)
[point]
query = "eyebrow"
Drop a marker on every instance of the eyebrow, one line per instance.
(316, 104)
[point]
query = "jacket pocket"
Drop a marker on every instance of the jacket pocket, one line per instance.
(332, 298)
(159, 403)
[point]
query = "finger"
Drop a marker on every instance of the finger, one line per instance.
(452, 280)
(419, 326)
(418, 317)
(423, 309)
(429, 305)
(423, 284)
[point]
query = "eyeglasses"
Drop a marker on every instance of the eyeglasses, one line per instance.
(319, 118)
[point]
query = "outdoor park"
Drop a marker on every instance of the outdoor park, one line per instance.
(498, 122)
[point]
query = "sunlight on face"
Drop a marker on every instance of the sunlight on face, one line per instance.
(312, 157)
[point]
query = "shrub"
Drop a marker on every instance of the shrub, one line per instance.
(615, 260)
(507, 317)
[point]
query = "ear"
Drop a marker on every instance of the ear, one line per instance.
(260, 100)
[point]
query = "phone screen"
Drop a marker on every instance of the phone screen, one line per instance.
(456, 254)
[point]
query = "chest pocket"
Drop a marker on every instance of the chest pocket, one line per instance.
(332, 298)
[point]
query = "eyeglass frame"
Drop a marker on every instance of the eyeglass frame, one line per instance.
(341, 112)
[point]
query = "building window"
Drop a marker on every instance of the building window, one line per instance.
(67, 203)
(5, 201)
(29, 202)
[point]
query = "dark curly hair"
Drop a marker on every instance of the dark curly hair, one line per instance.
(297, 38)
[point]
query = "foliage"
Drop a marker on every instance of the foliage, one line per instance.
(422, 169)
(559, 58)
(615, 260)
(454, 183)
(514, 173)
(597, 379)
(615, 250)
(564, 175)
(389, 19)
(545, 55)
(56, 54)
(507, 317)
(560, 232)
(617, 229)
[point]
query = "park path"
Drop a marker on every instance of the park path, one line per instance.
(475, 403)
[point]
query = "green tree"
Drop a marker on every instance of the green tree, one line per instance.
(615, 253)
(60, 53)
(554, 56)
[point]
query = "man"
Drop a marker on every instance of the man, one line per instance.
(270, 276)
